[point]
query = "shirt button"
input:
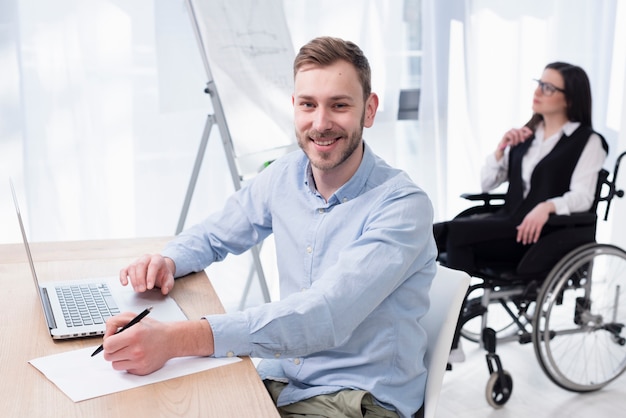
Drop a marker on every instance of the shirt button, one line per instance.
(230, 354)
(309, 249)
(277, 355)
(321, 210)
(296, 361)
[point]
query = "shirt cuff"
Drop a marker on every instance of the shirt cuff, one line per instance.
(560, 205)
(230, 334)
(184, 264)
(491, 162)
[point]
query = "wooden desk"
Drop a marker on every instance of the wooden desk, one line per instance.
(230, 391)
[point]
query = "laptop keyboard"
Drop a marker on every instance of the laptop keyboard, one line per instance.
(86, 304)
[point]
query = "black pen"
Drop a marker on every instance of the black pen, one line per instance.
(134, 321)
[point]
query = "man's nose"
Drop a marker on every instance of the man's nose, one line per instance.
(322, 121)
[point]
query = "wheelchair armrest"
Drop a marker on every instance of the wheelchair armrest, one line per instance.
(487, 198)
(573, 219)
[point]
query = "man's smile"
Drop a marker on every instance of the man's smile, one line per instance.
(324, 142)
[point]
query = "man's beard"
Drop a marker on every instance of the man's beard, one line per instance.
(324, 160)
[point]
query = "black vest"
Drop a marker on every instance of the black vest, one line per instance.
(552, 175)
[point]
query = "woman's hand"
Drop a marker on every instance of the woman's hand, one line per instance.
(529, 230)
(511, 138)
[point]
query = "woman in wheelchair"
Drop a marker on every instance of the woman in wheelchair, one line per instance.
(551, 165)
(541, 277)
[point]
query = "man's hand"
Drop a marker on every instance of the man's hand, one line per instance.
(145, 347)
(140, 349)
(150, 271)
(529, 230)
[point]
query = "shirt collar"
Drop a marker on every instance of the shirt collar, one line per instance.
(567, 129)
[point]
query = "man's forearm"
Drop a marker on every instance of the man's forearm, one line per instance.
(190, 338)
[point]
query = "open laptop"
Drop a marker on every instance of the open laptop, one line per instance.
(79, 308)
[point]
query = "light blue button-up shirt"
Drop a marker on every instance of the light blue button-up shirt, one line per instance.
(354, 277)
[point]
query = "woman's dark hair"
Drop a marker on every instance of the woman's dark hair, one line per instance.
(577, 94)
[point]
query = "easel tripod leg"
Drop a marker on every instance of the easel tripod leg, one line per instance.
(196, 170)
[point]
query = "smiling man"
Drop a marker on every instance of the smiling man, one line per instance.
(331, 109)
(355, 255)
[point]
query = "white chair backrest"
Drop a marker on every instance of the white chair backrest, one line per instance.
(447, 293)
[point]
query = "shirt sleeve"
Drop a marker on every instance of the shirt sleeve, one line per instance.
(584, 179)
(242, 223)
(494, 172)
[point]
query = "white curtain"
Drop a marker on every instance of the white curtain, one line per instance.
(108, 109)
(103, 108)
(480, 59)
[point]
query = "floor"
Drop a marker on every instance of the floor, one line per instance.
(534, 395)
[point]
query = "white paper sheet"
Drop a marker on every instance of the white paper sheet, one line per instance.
(81, 376)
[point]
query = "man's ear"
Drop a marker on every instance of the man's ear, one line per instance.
(371, 105)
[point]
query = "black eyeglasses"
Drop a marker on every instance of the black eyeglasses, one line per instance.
(548, 89)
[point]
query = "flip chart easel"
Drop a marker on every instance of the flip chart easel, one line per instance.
(249, 43)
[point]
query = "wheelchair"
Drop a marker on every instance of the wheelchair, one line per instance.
(567, 296)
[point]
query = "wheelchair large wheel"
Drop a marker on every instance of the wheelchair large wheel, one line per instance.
(578, 328)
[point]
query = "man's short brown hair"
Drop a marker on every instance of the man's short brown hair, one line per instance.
(326, 50)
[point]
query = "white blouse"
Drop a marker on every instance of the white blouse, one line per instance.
(584, 178)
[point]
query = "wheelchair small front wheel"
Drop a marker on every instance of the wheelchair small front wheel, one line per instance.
(499, 389)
